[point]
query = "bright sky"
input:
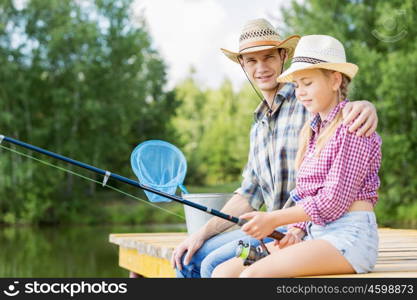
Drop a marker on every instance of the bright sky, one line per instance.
(191, 32)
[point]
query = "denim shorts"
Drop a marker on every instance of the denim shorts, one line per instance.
(355, 235)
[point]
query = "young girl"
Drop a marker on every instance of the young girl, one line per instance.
(334, 228)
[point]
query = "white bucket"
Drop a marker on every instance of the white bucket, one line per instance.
(196, 218)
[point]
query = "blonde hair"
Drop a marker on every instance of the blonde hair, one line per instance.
(306, 132)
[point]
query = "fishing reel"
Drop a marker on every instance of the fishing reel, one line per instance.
(250, 253)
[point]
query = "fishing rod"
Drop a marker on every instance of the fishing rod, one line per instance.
(107, 174)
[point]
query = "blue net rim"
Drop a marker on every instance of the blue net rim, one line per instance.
(178, 179)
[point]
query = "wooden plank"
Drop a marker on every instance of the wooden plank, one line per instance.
(145, 265)
(159, 245)
(149, 254)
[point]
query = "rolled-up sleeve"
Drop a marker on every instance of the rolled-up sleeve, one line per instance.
(353, 162)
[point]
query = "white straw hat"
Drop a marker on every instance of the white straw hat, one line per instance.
(258, 35)
(319, 51)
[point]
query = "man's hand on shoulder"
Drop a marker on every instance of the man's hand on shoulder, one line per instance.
(362, 117)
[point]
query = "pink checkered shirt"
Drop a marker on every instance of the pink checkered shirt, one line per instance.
(346, 171)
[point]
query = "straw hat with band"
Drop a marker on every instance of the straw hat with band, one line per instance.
(258, 35)
(319, 51)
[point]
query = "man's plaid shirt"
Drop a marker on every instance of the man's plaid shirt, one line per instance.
(269, 175)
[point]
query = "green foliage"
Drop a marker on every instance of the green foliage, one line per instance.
(81, 79)
(140, 213)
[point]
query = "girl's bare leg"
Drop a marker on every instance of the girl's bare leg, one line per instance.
(229, 269)
(313, 257)
(233, 267)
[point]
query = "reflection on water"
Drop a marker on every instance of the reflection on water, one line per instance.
(83, 251)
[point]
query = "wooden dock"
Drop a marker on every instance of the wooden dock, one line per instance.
(148, 254)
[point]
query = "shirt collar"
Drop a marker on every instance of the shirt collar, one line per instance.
(287, 92)
(316, 122)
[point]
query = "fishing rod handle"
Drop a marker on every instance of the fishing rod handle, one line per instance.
(274, 234)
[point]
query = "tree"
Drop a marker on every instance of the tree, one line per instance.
(81, 79)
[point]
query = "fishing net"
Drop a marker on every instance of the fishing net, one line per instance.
(159, 165)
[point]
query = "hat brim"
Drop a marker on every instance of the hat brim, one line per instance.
(289, 44)
(348, 69)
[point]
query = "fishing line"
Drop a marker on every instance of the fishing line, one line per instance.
(90, 179)
(107, 174)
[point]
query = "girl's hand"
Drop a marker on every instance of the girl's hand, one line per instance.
(260, 224)
(293, 236)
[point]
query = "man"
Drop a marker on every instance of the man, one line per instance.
(269, 175)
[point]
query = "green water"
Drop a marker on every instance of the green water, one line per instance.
(75, 251)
